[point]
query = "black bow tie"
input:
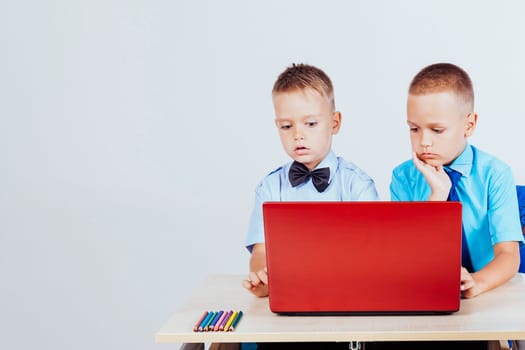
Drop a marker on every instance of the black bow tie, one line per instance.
(299, 174)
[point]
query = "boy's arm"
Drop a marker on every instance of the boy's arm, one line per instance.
(504, 226)
(436, 177)
(404, 182)
(504, 265)
(258, 257)
(257, 281)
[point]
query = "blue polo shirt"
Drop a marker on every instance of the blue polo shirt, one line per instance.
(487, 192)
(347, 183)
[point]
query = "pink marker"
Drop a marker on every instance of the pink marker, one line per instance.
(223, 323)
(219, 321)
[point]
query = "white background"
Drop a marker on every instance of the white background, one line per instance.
(133, 134)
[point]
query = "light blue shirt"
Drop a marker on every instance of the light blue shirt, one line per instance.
(347, 183)
(487, 192)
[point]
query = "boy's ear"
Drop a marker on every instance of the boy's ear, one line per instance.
(472, 119)
(336, 122)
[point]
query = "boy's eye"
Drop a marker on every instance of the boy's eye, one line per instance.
(311, 123)
(438, 131)
(413, 129)
(285, 126)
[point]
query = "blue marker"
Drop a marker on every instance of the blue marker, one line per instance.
(206, 319)
(215, 320)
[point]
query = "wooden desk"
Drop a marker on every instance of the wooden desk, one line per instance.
(494, 315)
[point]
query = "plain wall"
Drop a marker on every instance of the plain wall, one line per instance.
(133, 134)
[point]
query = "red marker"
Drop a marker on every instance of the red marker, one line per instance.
(205, 321)
(196, 328)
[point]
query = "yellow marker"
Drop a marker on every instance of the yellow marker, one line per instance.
(230, 320)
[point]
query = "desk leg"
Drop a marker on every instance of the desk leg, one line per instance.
(518, 345)
(225, 346)
(192, 346)
(498, 345)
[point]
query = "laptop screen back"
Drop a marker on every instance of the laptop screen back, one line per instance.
(363, 257)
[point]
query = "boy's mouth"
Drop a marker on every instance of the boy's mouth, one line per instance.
(427, 156)
(301, 150)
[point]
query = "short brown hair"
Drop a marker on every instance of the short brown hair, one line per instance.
(442, 77)
(302, 76)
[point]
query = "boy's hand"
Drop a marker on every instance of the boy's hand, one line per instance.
(436, 177)
(502, 268)
(469, 287)
(257, 283)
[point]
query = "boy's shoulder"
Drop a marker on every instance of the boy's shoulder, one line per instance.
(277, 171)
(274, 176)
(488, 161)
(350, 167)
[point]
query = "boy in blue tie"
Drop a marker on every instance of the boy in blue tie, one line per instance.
(440, 115)
(306, 119)
(444, 166)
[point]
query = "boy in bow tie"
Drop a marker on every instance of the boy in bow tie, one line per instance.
(306, 119)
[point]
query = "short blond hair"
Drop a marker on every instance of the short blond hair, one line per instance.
(303, 76)
(443, 77)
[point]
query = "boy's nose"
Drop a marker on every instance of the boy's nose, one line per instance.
(298, 135)
(426, 140)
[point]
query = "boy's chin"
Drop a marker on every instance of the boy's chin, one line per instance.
(432, 162)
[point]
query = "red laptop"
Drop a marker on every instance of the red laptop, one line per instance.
(363, 257)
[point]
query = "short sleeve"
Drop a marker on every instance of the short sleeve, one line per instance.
(503, 211)
(255, 232)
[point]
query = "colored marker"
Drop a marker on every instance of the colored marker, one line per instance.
(205, 321)
(217, 325)
(230, 321)
(223, 323)
(234, 323)
(215, 320)
(207, 324)
(196, 328)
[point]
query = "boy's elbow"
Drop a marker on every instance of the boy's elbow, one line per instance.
(515, 264)
(516, 260)
(511, 251)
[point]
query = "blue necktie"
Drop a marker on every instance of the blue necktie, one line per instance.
(453, 196)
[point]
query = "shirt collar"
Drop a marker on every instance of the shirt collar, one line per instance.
(463, 163)
(329, 161)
